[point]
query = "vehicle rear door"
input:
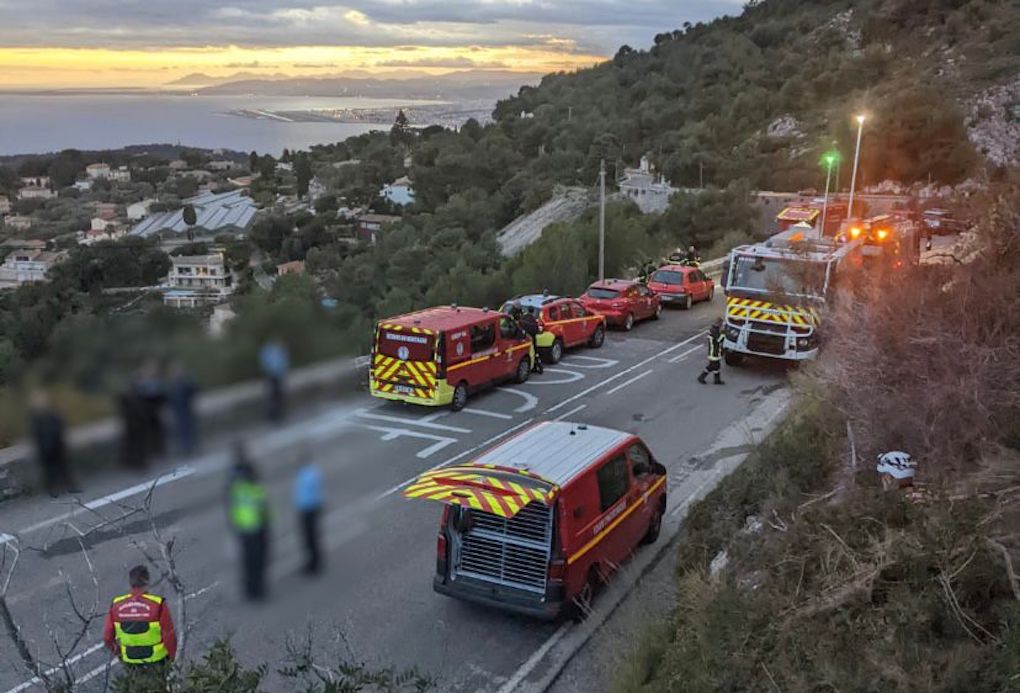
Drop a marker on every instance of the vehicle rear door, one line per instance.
(615, 498)
(484, 365)
(648, 476)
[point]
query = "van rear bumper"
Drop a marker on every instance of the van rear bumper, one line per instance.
(498, 597)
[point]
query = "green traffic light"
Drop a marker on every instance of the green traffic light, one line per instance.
(830, 159)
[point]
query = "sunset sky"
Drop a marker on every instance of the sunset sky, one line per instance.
(94, 43)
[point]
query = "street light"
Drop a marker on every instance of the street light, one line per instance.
(829, 159)
(857, 159)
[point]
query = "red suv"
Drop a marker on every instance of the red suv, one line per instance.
(563, 322)
(680, 285)
(622, 301)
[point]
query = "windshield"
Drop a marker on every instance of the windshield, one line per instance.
(775, 276)
(667, 277)
(595, 292)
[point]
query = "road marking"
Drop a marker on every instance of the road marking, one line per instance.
(633, 380)
(394, 433)
(571, 412)
(484, 412)
(365, 414)
(534, 659)
(530, 401)
(572, 377)
(680, 357)
(4, 538)
(599, 362)
(588, 391)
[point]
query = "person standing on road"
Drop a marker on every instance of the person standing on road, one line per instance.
(692, 258)
(308, 502)
(139, 628)
(47, 427)
(275, 362)
(715, 349)
(529, 324)
(181, 400)
(249, 517)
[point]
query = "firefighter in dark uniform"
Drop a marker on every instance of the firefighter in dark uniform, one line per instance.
(249, 517)
(139, 628)
(692, 258)
(529, 324)
(715, 349)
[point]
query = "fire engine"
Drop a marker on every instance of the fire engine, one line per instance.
(810, 212)
(777, 291)
(887, 240)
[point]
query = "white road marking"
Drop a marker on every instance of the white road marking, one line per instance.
(534, 659)
(625, 371)
(598, 361)
(631, 381)
(485, 412)
(365, 414)
(4, 538)
(571, 377)
(680, 357)
(530, 401)
(394, 433)
(49, 672)
(571, 412)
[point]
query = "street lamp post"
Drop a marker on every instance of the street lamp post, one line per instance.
(857, 159)
(602, 220)
(829, 159)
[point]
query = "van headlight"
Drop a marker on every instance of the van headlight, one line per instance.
(731, 333)
(804, 343)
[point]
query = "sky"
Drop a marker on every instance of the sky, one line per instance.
(147, 43)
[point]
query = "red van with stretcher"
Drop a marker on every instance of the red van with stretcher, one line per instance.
(538, 523)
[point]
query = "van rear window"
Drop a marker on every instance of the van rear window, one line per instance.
(406, 346)
(603, 293)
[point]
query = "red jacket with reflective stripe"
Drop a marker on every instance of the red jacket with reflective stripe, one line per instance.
(138, 608)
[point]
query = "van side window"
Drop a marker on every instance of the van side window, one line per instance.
(508, 328)
(482, 337)
(640, 459)
(554, 312)
(613, 481)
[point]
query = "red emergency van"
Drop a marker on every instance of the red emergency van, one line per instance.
(440, 355)
(539, 522)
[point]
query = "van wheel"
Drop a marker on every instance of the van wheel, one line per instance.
(688, 302)
(654, 527)
(585, 600)
(598, 337)
(628, 322)
(556, 351)
(523, 371)
(460, 397)
(658, 312)
(734, 358)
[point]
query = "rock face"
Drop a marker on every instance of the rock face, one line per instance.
(993, 124)
(784, 126)
(566, 205)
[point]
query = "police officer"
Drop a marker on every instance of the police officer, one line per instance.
(139, 628)
(249, 517)
(715, 344)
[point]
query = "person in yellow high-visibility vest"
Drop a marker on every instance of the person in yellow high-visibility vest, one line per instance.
(139, 628)
(249, 517)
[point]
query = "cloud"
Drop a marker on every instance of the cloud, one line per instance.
(254, 64)
(453, 63)
(312, 66)
(594, 26)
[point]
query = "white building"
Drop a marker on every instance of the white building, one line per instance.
(5, 205)
(96, 171)
(99, 224)
(35, 194)
(221, 165)
(316, 189)
(649, 192)
(35, 181)
(18, 223)
(24, 266)
(120, 175)
(196, 280)
(139, 210)
(83, 185)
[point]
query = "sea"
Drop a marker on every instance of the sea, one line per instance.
(40, 123)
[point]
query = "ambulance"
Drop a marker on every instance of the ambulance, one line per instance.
(439, 356)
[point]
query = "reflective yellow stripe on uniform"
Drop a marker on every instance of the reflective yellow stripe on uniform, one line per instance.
(140, 642)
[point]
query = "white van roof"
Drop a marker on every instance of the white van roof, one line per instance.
(557, 451)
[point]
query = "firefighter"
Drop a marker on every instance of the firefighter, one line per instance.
(139, 628)
(715, 344)
(529, 324)
(692, 258)
(249, 517)
(647, 269)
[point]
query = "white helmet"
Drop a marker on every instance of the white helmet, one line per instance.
(899, 465)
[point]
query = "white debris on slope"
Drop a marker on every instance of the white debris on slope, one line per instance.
(784, 126)
(993, 124)
(566, 205)
(842, 23)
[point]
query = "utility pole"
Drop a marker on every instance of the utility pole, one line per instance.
(570, 113)
(602, 219)
(825, 201)
(857, 159)
(701, 175)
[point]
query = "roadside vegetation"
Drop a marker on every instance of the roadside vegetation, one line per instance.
(799, 573)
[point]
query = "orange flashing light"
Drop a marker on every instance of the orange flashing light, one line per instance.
(855, 232)
(882, 234)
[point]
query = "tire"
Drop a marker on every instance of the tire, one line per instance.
(556, 351)
(460, 396)
(598, 337)
(585, 600)
(523, 371)
(733, 358)
(711, 294)
(688, 302)
(654, 528)
(628, 322)
(658, 312)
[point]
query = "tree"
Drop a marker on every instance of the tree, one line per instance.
(253, 161)
(267, 166)
(190, 218)
(285, 156)
(303, 173)
(401, 133)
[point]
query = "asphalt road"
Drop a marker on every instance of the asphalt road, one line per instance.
(377, 588)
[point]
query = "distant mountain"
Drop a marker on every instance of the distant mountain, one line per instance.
(466, 84)
(200, 79)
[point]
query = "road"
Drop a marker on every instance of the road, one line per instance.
(381, 547)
